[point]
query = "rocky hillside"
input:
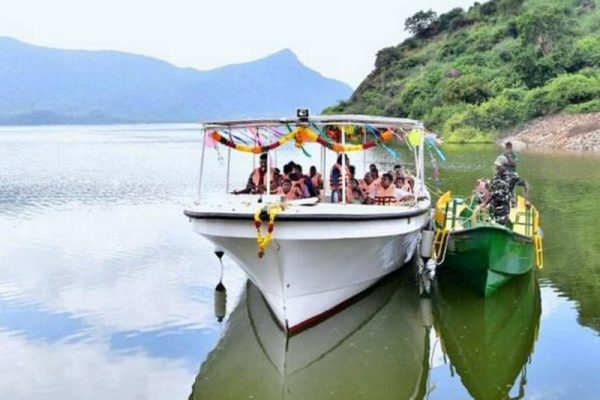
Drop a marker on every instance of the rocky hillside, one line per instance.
(474, 74)
(579, 132)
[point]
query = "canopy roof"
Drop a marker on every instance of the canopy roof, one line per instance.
(404, 124)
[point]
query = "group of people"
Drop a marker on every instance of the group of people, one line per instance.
(389, 188)
(498, 194)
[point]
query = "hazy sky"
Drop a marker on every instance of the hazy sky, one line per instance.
(337, 38)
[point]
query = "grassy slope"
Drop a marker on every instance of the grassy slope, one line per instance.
(503, 63)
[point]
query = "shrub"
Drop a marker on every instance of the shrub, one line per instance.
(466, 88)
(587, 107)
(561, 92)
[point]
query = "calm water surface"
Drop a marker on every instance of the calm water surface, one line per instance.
(106, 293)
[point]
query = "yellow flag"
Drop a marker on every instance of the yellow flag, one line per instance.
(415, 137)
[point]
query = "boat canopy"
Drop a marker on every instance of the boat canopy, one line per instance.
(264, 135)
(403, 124)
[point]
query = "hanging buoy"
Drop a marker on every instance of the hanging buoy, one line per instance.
(427, 243)
(220, 301)
(220, 291)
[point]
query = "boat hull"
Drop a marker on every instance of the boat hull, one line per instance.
(317, 261)
(488, 256)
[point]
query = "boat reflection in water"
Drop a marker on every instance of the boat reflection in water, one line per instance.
(488, 341)
(376, 348)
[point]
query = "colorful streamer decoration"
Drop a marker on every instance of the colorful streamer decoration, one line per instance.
(302, 135)
(415, 137)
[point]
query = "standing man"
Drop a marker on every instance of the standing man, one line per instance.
(501, 188)
(511, 158)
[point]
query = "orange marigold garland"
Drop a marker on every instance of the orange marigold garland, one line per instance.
(303, 135)
(264, 241)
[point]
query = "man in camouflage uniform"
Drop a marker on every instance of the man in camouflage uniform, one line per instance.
(501, 192)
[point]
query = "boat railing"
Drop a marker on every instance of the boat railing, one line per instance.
(526, 220)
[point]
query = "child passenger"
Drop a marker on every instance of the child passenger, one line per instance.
(289, 191)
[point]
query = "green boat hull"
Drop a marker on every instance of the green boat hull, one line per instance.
(488, 256)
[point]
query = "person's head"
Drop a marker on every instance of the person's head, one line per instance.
(399, 182)
(313, 170)
(287, 168)
(368, 178)
(508, 146)
(374, 171)
(352, 170)
(263, 161)
(296, 172)
(501, 163)
(353, 184)
(386, 180)
(339, 159)
(356, 193)
(286, 186)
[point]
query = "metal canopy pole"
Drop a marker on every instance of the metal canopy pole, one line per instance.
(343, 172)
(228, 164)
(322, 168)
(364, 152)
(326, 177)
(202, 163)
(268, 176)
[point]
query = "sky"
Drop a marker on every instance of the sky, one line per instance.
(340, 39)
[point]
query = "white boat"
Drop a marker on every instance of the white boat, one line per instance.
(323, 254)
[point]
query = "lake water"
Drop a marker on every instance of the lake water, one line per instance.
(105, 292)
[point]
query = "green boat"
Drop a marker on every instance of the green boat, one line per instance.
(489, 341)
(484, 253)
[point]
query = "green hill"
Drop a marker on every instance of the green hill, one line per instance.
(471, 75)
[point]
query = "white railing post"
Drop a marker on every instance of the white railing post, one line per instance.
(343, 171)
(202, 163)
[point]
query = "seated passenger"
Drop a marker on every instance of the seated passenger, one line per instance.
(256, 182)
(317, 180)
(369, 187)
(289, 191)
(482, 191)
(398, 172)
(374, 171)
(352, 186)
(302, 181)
(276, 182)
(388, 193)
(357, 197)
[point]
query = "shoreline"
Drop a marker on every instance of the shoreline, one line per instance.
(576, 133)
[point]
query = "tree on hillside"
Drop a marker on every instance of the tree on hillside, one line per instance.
(452, 20)
(544, 26)
(422, 24)
(510, 6)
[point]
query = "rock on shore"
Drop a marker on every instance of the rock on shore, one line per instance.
(578, 132)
